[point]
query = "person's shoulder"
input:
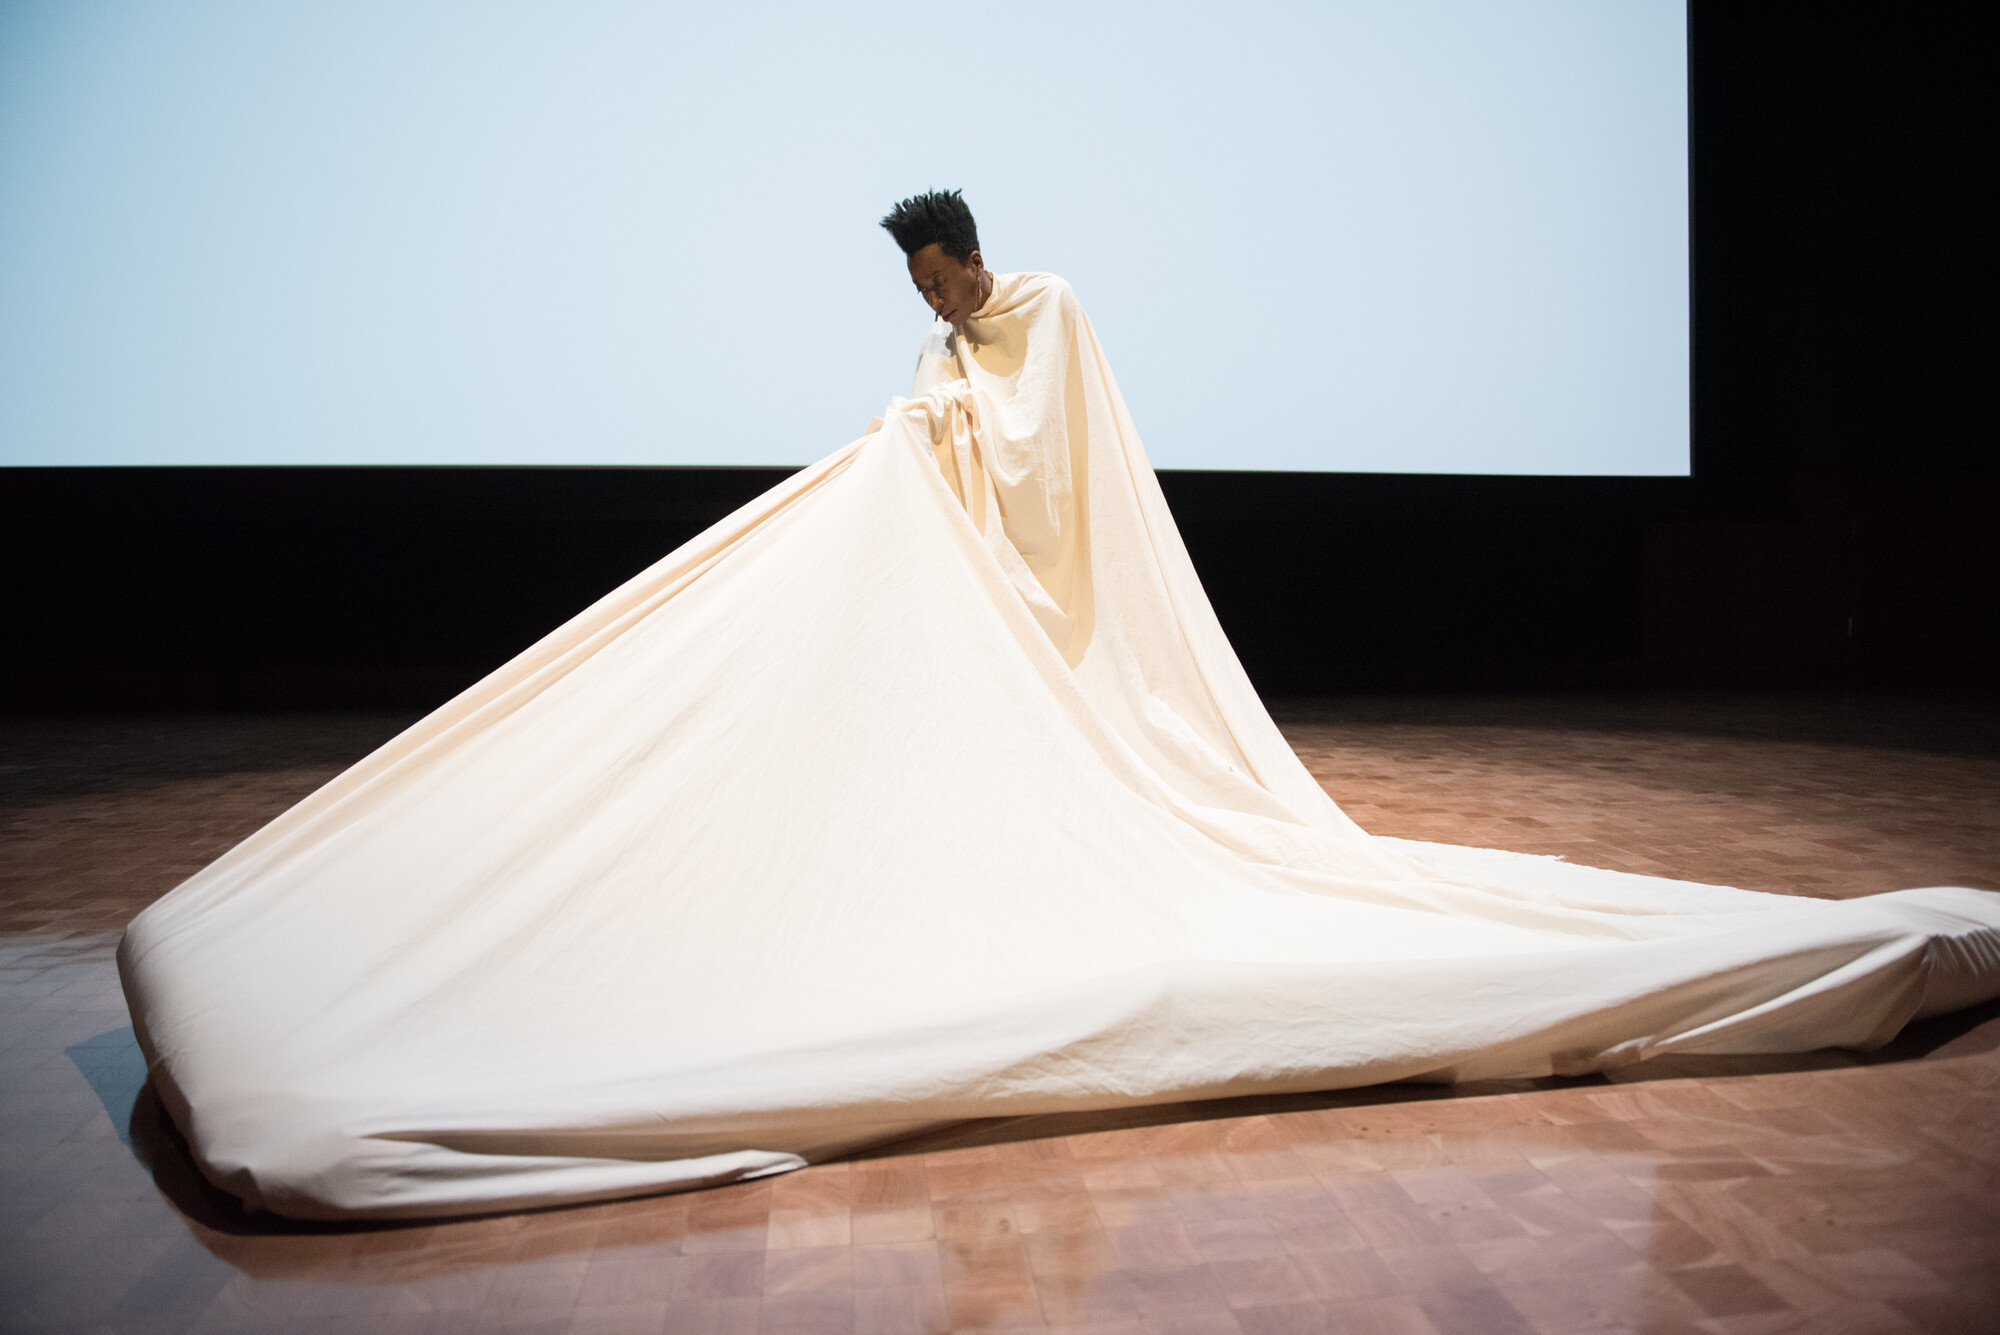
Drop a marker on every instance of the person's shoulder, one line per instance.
(1044, 288)
(1038, 283)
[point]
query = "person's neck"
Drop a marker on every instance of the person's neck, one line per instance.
(985, 288)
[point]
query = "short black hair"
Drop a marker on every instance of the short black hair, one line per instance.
(935, 215)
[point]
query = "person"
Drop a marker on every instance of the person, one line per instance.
(941, 243)
(923, 787)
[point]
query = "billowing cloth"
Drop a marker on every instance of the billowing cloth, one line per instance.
(923, 787)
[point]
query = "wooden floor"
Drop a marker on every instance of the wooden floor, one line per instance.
(1825, 1193)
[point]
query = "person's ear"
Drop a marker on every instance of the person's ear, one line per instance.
(975, 262)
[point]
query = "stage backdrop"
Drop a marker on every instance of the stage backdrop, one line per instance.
(1439, 236)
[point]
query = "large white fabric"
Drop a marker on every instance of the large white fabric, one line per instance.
(924, 787)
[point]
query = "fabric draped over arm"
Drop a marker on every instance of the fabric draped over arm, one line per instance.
(1003, 402)
(1028, 426)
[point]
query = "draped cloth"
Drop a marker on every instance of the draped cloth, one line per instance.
(923, 787)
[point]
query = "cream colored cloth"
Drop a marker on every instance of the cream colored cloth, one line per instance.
(923, 787)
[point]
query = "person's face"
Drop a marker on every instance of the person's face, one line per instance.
(953, 289)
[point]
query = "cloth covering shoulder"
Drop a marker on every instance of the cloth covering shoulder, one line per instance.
(925, 786)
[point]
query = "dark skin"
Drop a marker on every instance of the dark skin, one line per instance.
(951, 287)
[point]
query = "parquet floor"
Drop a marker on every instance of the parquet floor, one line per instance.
(1825, 1193)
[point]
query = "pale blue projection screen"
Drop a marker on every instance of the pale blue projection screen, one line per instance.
(1420, 236)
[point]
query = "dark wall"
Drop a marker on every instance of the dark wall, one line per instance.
(1846, 201)
(1839, 529)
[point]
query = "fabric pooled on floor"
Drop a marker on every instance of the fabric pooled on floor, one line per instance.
(924, 787)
